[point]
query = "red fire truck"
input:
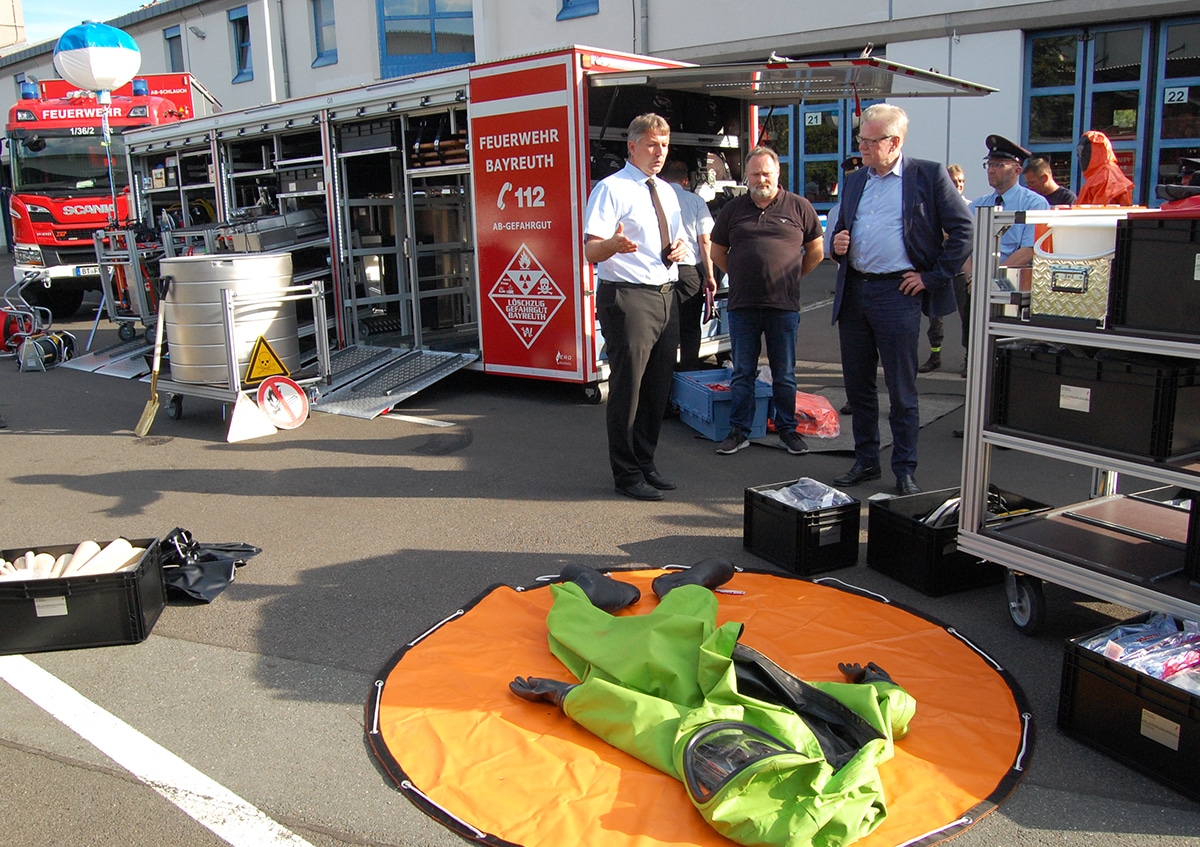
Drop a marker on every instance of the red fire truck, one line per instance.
(61, 169)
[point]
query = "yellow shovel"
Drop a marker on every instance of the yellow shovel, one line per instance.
(148, 414)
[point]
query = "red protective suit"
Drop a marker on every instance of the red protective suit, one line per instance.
(1104, 183)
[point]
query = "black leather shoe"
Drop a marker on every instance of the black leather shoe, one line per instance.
(907, 485)
(659, 481)
(858, 474)
(640, 491)
(846, 409)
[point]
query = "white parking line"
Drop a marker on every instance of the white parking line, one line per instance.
(228, 816)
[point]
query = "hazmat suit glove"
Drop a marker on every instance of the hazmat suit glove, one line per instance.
(539, 690)
(854, 672)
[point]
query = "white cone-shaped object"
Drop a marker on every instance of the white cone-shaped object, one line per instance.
(248, 421)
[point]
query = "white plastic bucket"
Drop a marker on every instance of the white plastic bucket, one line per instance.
(1083, 237)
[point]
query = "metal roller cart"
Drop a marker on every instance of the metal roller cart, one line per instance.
(1114, 411)
(128, 263)
(234, 307)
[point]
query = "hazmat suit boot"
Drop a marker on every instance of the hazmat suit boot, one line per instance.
(605, 592)
(709, 573)
(539, 690)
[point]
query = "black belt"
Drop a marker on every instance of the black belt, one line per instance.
(620, 283)
(877, 277)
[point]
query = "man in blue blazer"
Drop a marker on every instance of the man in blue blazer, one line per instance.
(902, 235)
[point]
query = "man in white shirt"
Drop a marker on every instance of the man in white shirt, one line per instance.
(633, 228)
(696, 268)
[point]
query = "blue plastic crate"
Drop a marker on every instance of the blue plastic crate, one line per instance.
(706, 408)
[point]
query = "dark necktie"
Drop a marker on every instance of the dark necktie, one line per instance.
(664, 232)
(999, 201)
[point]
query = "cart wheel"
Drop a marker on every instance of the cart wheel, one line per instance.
(150, 333)
(595, 393)
(125, 332)
(175, 407)
(1026, 601)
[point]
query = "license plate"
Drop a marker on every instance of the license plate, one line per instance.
(87, 270)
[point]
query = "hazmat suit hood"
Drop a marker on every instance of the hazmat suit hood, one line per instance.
(1104, 183)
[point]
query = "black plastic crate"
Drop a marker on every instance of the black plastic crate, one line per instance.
(927, 557)
(801, 542)
(1156, 276)
(1148, 724)
(1146, 407)
(38, 615)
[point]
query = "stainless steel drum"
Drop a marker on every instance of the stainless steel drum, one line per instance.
(195, 330)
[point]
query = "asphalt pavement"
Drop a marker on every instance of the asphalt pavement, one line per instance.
(373, 531)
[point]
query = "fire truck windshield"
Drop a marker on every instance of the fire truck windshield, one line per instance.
(51, 162)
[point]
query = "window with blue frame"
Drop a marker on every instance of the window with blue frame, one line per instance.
(173, 41)
(1089, 79)
(568, 9)
(1177, 94)
(422, 35)
(243, 64)
(324, 33)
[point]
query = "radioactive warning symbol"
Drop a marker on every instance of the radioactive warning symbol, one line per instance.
(264, 362)
(526, 296)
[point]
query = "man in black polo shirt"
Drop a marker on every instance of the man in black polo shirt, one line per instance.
(765, 240)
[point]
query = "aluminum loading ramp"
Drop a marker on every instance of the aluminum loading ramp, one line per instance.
(125, 360)
(369, 381)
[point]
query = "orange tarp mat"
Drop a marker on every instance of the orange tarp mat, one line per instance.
(487, 764)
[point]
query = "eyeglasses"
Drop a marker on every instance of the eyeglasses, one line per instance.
(863, 141)
(997, 164)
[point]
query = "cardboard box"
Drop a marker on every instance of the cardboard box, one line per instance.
(1147, 407)
(801, 542)
(704, 402)
(927, 557)
(1148, 724)
(38, 615)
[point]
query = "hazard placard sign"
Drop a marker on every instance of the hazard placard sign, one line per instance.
(264, 362)
(283, 401)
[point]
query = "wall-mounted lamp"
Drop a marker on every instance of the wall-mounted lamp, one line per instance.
(460, 96)
(196, 31)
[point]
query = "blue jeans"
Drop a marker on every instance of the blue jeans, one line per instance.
(879, 324)
(746, 330)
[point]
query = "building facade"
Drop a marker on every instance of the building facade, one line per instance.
(1060, 67)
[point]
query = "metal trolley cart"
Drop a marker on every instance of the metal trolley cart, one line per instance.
(233, 304)
(1071, 546)
(128, 272)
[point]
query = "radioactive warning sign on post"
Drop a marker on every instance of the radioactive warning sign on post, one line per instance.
(264, 362)
(526, 296)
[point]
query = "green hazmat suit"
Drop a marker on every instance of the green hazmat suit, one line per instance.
(672, 689)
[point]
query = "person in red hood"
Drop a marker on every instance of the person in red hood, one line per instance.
(1104, 183)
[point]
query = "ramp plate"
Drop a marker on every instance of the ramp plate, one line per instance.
(93, 362)
(381, 389)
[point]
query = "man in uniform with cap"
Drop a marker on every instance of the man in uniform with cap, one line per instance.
(1003, 164)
